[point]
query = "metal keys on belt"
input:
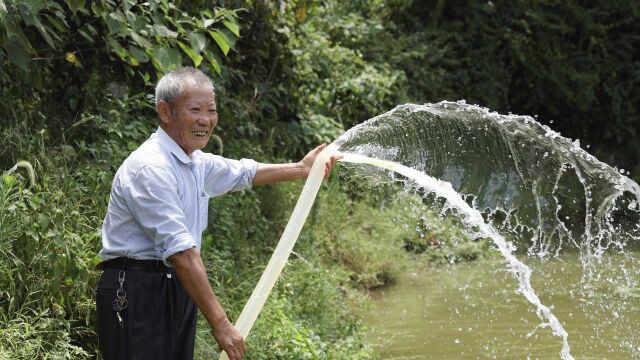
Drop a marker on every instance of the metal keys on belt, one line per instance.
(120, 302)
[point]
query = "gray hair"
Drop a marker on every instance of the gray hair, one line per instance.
(172, 84)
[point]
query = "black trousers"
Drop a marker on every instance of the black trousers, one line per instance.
(159, 321)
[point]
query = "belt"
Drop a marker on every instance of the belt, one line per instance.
(123, 263)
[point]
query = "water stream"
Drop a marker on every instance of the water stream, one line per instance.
(509, 177)
(473, 220)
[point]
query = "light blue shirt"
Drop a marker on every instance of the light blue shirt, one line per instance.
(159, 198)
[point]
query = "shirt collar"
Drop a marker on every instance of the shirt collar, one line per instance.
(168, 143)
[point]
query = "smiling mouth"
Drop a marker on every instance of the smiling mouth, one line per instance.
(200, 133)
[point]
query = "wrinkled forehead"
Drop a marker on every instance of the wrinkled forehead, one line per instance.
(171, 87)
(194, 86)
(197, 92)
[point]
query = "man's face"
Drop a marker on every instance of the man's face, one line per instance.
(195, 115)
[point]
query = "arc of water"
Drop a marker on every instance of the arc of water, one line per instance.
(285, 245)
(440, 188)
(473, 218)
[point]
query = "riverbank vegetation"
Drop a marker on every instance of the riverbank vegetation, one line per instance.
(76, 80)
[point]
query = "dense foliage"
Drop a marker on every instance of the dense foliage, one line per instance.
(75, 79)
(576, 65)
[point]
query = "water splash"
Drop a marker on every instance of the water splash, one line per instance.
(473, 220)
(507, 175)
(525, 178)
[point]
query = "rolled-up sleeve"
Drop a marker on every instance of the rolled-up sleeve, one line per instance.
(223, 175)
(153, 200)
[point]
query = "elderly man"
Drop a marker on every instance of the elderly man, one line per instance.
(153, 277)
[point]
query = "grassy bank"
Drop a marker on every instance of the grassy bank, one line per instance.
(50, 238)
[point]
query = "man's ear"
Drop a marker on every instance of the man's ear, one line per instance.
(164, 111)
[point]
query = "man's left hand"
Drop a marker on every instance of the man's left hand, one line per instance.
(307, 162)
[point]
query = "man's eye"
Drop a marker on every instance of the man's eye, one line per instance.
(195, 109)
(213, 110)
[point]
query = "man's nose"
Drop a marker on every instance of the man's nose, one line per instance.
(205, 120)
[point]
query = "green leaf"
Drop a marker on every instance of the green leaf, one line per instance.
(233, 27)
(43, 221)
(92, 29)
(85, 35)
(114, 23)
(214, 63)
(74, 5)
(165, 58)
(198, 41)
(195, 57)
(221, 40)
(61, 26)
(139, 23)
(163, 31)
(141, 40)
(34, 5)
(118, 49)
(18, 54)
(132, 61)
(43, 31)
(146, 78)
(11, 29)
(60, 14)
(138, 54)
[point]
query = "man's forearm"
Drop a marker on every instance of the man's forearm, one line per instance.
(271, 173)
(193, 277)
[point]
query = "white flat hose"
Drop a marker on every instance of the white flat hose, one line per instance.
(285, 245)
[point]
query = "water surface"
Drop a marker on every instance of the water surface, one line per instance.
(473, 311)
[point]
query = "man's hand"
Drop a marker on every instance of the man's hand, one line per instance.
(230, 340)
(193, 277)
(307, 162)
(271, 173)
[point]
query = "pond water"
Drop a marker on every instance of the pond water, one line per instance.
(473, 311)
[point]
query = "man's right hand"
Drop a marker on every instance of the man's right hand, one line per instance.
(230, 340)
(193, 277)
